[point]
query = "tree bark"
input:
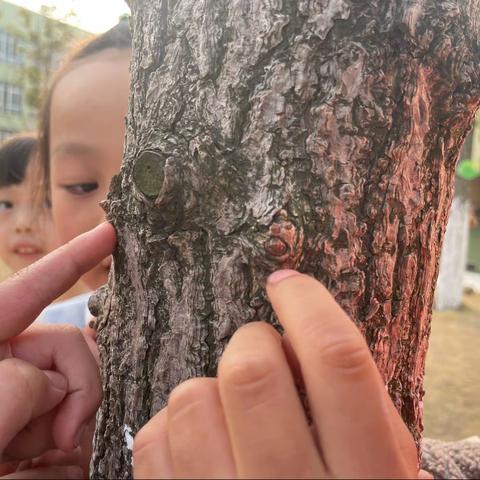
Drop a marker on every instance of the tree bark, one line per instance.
(320, 135)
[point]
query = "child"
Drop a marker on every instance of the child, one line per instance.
(82, 126)
(23, 236)
(81, 135)
(25, 229)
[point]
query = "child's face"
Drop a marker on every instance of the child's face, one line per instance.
(87, 127)
(23, 232)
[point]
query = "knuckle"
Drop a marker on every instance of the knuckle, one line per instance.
(347, 353)
(253, 373)
(183, 398)
(187, 392)
(188, 398)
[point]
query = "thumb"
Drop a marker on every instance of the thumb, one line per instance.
(25, 394)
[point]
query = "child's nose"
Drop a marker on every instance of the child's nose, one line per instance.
(23, 221)
(23, 227)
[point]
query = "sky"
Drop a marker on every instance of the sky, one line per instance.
(92, 15)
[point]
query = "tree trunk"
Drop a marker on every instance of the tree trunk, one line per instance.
(320, 135)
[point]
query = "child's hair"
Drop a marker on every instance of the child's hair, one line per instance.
(117, 38)
(15, 154)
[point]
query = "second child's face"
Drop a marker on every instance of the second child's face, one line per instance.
(25, 235)
(87, 127)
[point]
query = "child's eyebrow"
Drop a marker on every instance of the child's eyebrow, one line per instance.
(73, 148)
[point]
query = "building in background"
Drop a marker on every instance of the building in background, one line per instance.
(31, 45)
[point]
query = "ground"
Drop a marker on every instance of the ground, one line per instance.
(452, 379)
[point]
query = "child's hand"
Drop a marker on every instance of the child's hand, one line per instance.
(250, 422)
(49, 381)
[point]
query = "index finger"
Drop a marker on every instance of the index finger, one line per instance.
(347, 396)
(24, 296)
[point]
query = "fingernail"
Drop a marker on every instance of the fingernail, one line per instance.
(280, 275)
(79, 435)
(57, 380)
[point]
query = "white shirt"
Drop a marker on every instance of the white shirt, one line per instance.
(72, 312)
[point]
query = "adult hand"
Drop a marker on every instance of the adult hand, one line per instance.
(49, 381)
(250, 421)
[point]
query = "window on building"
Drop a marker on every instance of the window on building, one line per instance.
(3, 46)
(11, 98)
(14, 99)
(2, 97)
(10, 49)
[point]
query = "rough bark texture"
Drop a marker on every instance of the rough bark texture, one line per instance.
(320, 135)
(452, 460)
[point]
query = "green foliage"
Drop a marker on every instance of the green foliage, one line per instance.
(42, 41)
(468, 169)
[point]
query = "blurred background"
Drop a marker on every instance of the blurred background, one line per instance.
(35, 35)
(33, 38)
(452, 377)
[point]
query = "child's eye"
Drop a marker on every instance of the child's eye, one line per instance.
(5, 205)
(81, 188)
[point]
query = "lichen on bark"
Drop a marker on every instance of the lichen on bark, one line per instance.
(320, 135)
